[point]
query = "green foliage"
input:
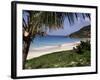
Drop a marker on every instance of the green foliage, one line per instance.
(84, 45)
(60, 59)
(38, 21)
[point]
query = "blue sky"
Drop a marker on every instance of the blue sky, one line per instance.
(67, 28)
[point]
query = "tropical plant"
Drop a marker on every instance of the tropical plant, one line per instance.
(39, 21)
(84, 45)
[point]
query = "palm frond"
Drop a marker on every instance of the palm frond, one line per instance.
(39, 21)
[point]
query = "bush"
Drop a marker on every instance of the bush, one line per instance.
(84, 45)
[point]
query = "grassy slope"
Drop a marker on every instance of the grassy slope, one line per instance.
(60, 59)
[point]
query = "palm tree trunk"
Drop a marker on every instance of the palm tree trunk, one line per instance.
(26, 46)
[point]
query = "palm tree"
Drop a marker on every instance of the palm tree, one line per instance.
(39, 21)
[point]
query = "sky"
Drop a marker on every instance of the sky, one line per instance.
(67, 28)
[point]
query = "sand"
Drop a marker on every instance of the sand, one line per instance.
(36, 52)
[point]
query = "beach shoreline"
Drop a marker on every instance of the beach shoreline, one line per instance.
(36, 52)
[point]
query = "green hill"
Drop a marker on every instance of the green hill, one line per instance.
(84, 32)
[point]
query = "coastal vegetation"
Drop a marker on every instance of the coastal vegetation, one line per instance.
(79, 56)
(82, 47)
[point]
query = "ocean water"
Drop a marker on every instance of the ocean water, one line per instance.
(40, 41)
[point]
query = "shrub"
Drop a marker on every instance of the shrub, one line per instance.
(84, 45)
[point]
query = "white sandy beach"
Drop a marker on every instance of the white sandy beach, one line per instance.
(36, 52)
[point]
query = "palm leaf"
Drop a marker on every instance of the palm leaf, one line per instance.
(39, 21)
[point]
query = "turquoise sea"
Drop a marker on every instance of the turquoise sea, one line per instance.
(41, 41)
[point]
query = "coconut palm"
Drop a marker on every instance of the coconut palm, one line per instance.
(39, 21)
